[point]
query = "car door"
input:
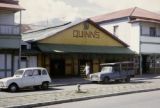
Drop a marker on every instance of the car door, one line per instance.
(116, 72)
(37, 76)
(28, 78)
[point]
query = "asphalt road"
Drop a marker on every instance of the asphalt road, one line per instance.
(137, 100)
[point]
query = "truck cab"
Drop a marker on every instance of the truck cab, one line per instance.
(119, 71)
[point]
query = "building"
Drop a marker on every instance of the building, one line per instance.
(64, 50)
(140, 29)
(10, 37)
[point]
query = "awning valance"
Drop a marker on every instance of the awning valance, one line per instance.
(55, 48)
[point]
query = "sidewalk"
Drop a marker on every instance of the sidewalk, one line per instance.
(139, 84)
(68, 81)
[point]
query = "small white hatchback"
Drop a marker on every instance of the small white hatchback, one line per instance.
(36, 77)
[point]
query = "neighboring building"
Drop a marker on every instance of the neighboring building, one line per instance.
(140, 29)
(10, 37)
(64, 50)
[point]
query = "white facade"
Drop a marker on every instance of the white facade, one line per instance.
(142, 38)
(127, 32)
(150, 44)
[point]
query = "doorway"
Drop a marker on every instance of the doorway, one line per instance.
(145, 64)
(57, 68)
(81, 66)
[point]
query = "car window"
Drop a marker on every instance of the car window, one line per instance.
(28, 73)
(19, 72)
(36, 72)
(44, 72)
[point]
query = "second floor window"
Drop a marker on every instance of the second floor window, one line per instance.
(152, 31)
(115, 30)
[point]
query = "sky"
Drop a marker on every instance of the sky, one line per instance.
(43, 10)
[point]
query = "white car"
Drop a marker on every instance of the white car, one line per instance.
(36, 77)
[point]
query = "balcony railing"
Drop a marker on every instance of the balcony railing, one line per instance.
(9, 29)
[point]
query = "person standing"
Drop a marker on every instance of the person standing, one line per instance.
(87, 70)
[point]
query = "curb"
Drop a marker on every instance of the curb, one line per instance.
(79, 99)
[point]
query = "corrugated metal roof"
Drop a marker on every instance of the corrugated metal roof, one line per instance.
(131, 12)
(47, 32)
(7, 6)
(57, 48)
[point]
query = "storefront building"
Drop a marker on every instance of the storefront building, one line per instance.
(64, 50)
(10, 37)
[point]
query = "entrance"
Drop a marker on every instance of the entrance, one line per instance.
(145, 64)
(57, 68)
(81, 66)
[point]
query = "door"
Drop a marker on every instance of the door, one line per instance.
(81, 66)
(37, 77)
(145, 64)
(57, 68)
(28, 78)
(116, 72)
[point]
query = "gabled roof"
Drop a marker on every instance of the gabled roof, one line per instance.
(131, 12)
(34, 36)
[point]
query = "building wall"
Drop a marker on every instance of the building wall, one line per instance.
(150, 44)
(30, 61)
(7, 18)
(5, 65)
(127, 32)
(77, 35)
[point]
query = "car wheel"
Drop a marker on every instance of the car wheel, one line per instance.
(106, 80)
(13, 88)
(127, 79)
(45, 85)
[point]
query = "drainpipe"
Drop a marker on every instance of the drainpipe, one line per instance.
(140, 54)
(140, 63)
(19, 58)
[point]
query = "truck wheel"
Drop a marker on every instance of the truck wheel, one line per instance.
(45, 85)
(127, 79)
(13, 88)
(106, 80)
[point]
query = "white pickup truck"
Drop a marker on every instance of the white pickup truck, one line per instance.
(36, 77)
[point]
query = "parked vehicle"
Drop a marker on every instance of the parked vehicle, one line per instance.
(36, 77)
(119, 71)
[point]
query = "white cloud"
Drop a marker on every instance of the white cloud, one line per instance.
(112, 5)
(39, 10)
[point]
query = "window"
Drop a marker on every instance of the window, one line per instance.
(115, 29)
(152, 31)
(28, 73)
(36, 72)
(44, 72)
(24, 47)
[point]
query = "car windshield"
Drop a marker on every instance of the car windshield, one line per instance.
(18, 72)
(106, 69)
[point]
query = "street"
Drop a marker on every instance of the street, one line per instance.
(137, 100)
(63, 94)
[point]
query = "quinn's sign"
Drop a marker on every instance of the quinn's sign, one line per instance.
(86, 34)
